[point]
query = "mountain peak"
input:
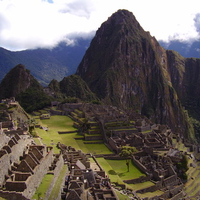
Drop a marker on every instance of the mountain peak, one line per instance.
(126, 67)
(122, 17)
(16, 81)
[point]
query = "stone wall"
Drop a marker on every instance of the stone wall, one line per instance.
(176, 189)
(139, 165)
(34, 181)
(57, 112)
(93, 137)
(113, 145)
(3, 139)
(4, 166)
(178, 196)
(141, 179)
(144, 128)
(171, 180)
(13, 132)
(70, 107)
(12, 195)
(5, 161)
(7, 124)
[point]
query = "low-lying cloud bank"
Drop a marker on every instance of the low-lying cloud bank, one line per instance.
(44, 23)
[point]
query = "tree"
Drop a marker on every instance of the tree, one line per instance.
(31, 125)
(127, 152)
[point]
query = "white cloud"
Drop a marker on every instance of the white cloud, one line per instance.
(197, 22)
(43, 23)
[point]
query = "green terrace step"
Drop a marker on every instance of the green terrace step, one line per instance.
(121, 127)
(94, 131)
(93, 137)
(192, 183)
(94, 142)
(79, 113)
(155, 194)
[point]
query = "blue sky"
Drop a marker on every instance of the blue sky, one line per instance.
(29, 24)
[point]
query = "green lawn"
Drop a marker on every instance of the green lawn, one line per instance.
(107, 168)
(139, 186)
(60, 123)
(150, 194)
(119, 166)
(117, 170)
(44, 185)
(63, 123)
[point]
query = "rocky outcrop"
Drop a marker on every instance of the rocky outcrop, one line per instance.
(21, 84)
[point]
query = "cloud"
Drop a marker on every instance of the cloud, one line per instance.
(26, 24)
(197, 22)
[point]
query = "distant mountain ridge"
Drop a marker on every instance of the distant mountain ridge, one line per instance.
(186, 49)
(46, 64)
(61, 61)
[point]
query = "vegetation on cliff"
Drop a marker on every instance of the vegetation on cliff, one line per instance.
(19, 83)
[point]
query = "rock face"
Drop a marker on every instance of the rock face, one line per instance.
(16, 81)
(126, 67)
(185, 76)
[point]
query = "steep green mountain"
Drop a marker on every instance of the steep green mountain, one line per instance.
(126, 67)
(19, 83)
(72, 86)
(45, 64)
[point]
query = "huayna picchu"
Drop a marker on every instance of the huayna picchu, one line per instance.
(126, 67)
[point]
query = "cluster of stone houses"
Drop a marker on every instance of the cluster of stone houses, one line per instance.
(23, 164)
(84, 180)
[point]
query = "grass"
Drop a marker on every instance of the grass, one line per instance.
(46, 182)
(56, 189)
(150, 194)
(117, 170)
(105, 165)
(63, 123)
(98, 149)
(37, 141)
(119, 166)
(60, 123)
(139, 186)
(43, 187)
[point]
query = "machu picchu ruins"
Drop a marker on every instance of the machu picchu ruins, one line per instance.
(24, 163)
